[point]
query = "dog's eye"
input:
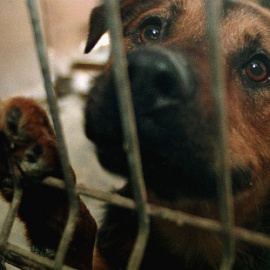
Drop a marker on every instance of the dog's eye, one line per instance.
(257, 69)
(150, 33)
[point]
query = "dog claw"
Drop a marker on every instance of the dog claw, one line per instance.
(13, 131)
(13, 118)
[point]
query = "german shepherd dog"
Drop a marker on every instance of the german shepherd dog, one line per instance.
(167, 50)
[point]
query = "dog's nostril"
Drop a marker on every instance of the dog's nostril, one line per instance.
(165, 83)
(159, 73)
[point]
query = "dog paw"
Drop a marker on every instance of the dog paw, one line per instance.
(23, 120)
(31, 140)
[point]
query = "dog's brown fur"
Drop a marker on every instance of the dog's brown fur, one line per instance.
(28, 152)
(244, 34)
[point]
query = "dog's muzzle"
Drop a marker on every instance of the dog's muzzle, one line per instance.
(162, 85)
(176, 135)
(159, 79)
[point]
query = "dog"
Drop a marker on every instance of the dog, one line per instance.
(169, 68)
(29, 153)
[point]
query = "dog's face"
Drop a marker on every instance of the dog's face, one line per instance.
(167, 50)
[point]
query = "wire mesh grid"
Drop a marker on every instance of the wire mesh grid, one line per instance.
(25, 260)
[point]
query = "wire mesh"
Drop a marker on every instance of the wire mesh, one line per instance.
(25, 260)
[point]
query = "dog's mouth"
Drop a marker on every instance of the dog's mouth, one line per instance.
(188, 176)
(176, 138)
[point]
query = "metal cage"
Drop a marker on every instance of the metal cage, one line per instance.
(25, 260)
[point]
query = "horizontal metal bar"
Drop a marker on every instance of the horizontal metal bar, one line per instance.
(180, 218)
(25, 259)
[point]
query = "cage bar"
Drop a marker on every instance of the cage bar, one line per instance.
(129, 130)
(179, 217)
(73, 199)
(10, 218)
(224, 185)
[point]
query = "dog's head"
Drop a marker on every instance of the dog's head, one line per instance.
(167, 50)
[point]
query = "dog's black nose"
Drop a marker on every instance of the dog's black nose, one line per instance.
(159, 78)
(162, 84)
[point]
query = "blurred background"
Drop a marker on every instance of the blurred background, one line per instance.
(66, 29)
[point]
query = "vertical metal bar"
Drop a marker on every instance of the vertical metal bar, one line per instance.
(129, 129)
(10, 218)
(213, 13)
(69, 181)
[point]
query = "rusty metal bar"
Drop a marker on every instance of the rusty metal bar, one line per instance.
(129, 130)
(213, 15)
(69, 181)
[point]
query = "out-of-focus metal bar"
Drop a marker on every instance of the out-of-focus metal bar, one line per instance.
(10, 218)
(129, 130)
(69, 181)
(180, 218)
(213, 14)
(24, 259)
(11, 215)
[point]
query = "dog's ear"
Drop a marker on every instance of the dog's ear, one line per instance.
(97, 27)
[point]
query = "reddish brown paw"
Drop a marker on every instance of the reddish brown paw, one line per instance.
(32, 144)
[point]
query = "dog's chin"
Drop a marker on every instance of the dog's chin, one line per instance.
(113, 159)
(171, 181)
